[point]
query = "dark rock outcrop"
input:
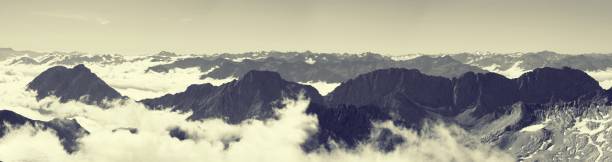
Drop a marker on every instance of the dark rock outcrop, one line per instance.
(486, 92)
(254, 95)
(68, 131)
(77, 83)
(346, 124)
(177, 133)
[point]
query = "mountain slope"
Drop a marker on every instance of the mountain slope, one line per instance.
(473, 100)
(254, 95)
(397, 90)
(68, 131)
(77, 83)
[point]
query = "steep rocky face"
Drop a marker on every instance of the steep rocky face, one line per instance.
(413, 95)
(486, 92)
(68, 131)
(494, 104)
(365, 89)
(254, 95)
(72, 84)
(193, 96)
(346, 124)
(406, 94)
(11, 118)
(546, 85)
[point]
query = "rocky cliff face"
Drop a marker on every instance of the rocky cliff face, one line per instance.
(485, 92)
(397, 90)
(77, 83)
(404, 94)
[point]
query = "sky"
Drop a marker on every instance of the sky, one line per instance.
(392, 27)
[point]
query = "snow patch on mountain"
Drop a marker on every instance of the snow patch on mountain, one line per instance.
(405, 57)
(533, 128)
(310, 61)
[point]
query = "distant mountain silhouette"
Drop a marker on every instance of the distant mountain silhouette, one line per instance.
(533, 60)
(307, 66)
(77, 83)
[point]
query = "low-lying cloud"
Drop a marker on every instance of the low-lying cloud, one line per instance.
(277, 139)
(272, 140)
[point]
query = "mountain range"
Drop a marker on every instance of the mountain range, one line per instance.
(328, 67)
(545, 114)
(491, 106)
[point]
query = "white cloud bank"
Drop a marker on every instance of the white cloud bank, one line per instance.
(273, 140)
(130, 78)
(323, 87)
(603, 76)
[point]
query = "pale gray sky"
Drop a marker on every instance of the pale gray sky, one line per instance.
(383, 26)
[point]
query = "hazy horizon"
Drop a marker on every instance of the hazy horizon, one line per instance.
(391, 27)
(324, 52)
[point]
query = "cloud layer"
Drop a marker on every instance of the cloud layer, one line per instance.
(210, 140)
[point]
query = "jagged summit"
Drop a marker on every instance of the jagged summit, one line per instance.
(72, 84)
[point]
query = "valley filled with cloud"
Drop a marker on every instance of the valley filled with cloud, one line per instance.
(109, 137)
